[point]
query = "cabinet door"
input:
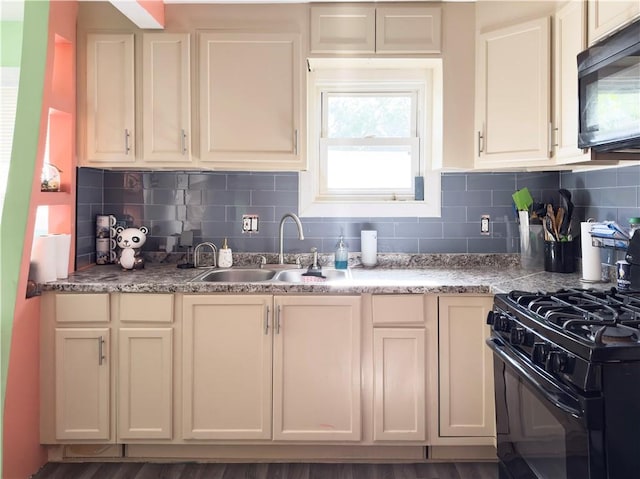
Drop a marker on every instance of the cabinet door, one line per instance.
(226, 372)
(339, 29)
(110, 99)
(82, 383)
(569, 40)
(399, 384)
(513, 96)
(408, 30)
(145, 383)
(316, 367)
(250, 108)
(466, 367)
(166, 107)
(605, 16)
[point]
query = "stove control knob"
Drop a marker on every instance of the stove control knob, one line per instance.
(516, 336)
(491, 318)
(539, 353)
(557, 362)
(504, 324)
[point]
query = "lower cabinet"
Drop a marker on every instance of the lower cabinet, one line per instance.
(106, 367)
(226, 367)
(253, 360)
(82, 389)
(145, 388)
(399, 367)
(399, 384)
(316, 368)
(466, 399)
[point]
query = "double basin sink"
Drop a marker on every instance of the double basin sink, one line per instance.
(245, 275)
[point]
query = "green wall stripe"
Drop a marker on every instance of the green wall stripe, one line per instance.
(21, 170)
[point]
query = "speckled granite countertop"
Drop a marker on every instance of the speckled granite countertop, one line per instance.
(479, 274)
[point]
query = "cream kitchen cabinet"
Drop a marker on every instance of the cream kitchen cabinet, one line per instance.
(606, 16)
(466, 398)
(399, 368)
(249, 360)
(513, 75)
(76, 400)
(110, 101)
(106, 367)
(226, 364)
(569, 39)
(370, 29)
(251, 109)
(166, 100)
(145, 365)
(316, 368)
(163, 135)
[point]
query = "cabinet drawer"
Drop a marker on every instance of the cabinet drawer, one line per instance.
(401, 309)
(145, 308)
(82, 308)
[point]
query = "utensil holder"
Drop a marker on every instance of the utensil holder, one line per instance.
(559, 257)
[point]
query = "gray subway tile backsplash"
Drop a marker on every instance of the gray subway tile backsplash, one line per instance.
(212, 204)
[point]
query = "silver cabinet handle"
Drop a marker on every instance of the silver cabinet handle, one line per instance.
(480, 143)
(556, 132)
(295, 141)
(184, 142)
(127, 148)
(101, 356)
(266, 321)
(277, 326)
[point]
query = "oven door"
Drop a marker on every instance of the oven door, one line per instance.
(544, 429)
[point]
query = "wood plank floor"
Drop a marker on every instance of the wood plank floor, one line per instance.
(118, 470)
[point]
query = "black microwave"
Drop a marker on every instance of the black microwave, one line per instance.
(609, 93)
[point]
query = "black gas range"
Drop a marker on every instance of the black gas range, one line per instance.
(567, 378)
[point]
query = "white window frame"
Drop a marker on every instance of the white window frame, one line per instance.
(424, 76)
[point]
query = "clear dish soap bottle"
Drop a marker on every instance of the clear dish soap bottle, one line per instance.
(341, 255)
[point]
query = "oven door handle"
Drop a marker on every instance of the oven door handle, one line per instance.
(541, 384)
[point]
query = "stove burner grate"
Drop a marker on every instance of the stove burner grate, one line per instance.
(601, 317)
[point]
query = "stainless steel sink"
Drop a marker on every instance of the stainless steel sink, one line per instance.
(236, 275)
(297, 275)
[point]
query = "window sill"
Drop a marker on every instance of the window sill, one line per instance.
(378, 209)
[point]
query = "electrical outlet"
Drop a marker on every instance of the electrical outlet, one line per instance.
(249, 223)
(484, 225)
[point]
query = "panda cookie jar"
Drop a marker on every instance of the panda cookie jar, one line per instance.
(129, 240)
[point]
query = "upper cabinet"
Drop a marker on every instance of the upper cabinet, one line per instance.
(166, 103)
(606, 16)
(569, 40)
(251, 101)
(370, 29)
(512, 95)
(110, 112)
(338, 29)
(111, 115)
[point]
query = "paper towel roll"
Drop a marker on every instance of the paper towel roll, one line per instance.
(590, 254)
(369, 246)
(43, 255)
(63, 244)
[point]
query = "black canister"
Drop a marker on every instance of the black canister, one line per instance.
(559, 257)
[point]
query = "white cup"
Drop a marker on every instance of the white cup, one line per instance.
(369, 246)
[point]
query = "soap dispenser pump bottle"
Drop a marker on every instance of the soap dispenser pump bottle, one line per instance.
(341, 255)
(225, 259)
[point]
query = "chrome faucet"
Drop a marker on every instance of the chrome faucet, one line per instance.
(295, 218)
(196, 257)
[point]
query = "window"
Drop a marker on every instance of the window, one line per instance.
(374, 126)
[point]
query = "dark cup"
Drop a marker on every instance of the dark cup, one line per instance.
(559, 257)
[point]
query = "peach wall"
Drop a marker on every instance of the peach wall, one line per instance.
(22, 453)
(155, 9)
